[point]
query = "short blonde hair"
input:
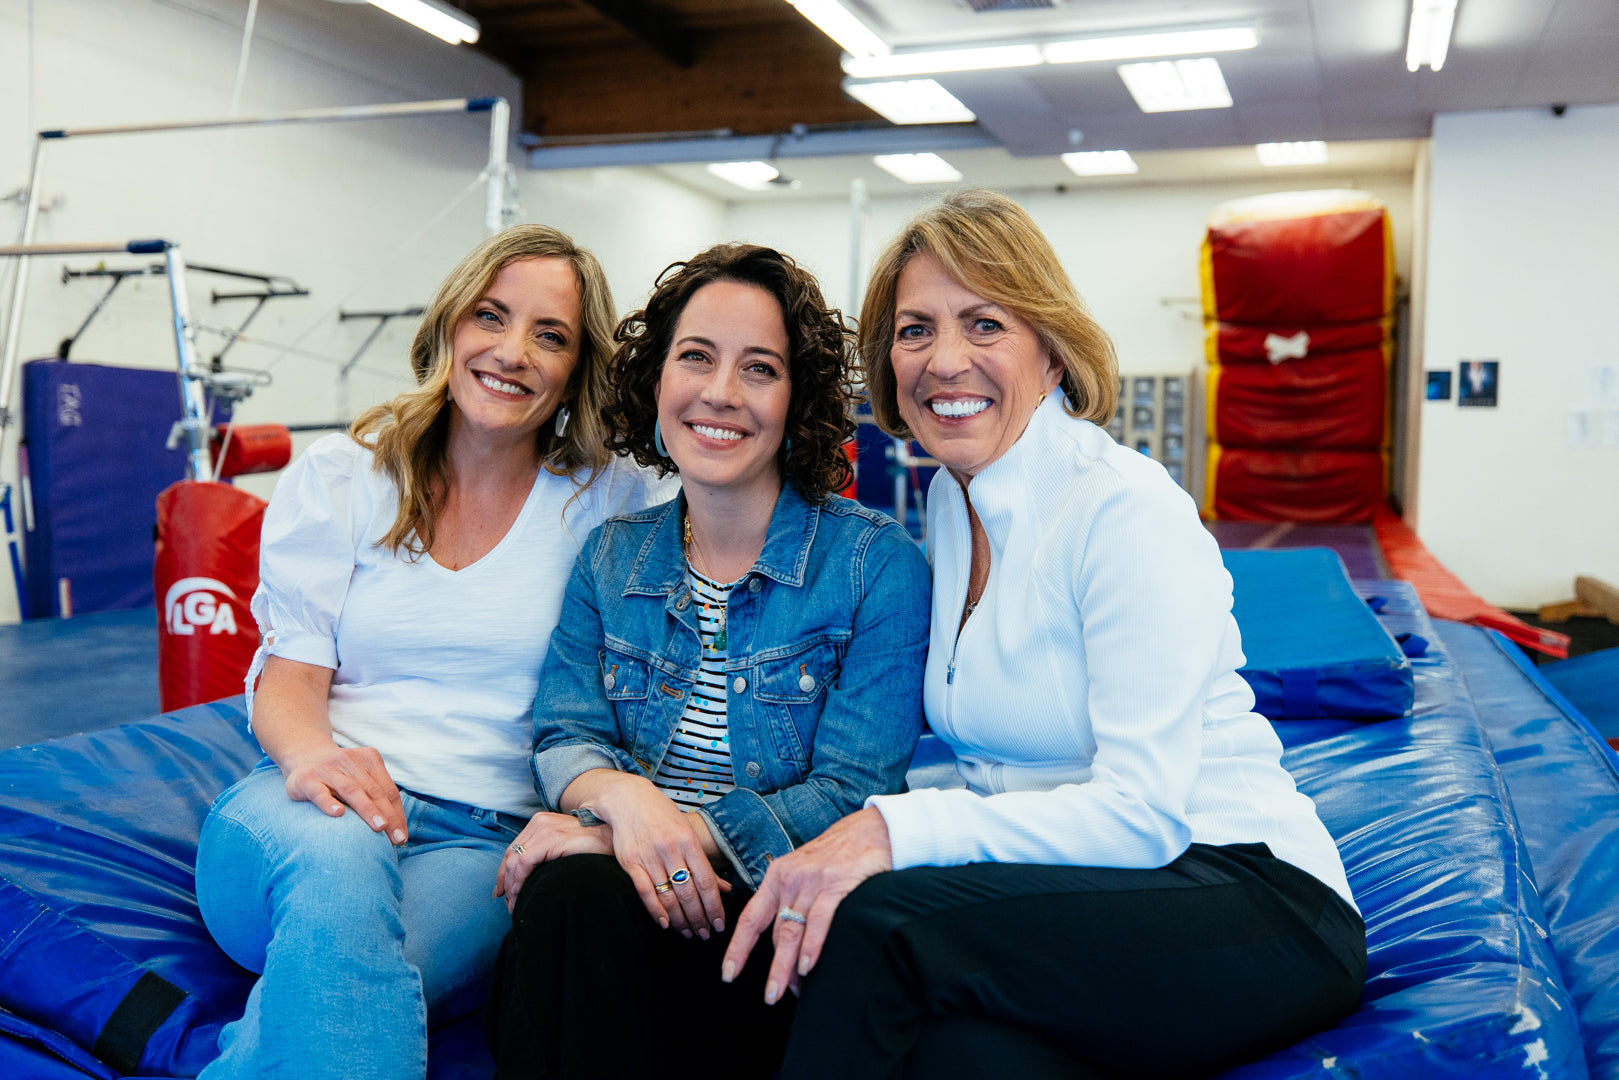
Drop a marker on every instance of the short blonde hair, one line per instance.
(409, 434)
(989, 244)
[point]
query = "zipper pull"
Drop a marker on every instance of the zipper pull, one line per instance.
(950, 673)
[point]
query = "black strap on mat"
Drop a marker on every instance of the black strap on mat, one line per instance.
(123, 1039)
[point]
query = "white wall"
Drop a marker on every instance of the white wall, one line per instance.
(1523, 267)
(364, 215)
(1128, 250)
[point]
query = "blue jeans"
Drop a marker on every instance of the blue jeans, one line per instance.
(360, 945)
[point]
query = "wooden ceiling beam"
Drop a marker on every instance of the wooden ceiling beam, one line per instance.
(666, 37)
(759, 79)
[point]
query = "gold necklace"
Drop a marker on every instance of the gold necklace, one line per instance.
(720, 637)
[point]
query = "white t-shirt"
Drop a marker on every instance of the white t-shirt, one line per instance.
(436, 669)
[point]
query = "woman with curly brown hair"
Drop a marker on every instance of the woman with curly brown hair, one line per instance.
(733, 672)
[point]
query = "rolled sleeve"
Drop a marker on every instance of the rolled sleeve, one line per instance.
(866, 732)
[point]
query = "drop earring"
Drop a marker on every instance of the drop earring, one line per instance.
(657, 438)
(562, 420)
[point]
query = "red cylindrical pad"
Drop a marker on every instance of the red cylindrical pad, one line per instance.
(206, 571)
(253, 448)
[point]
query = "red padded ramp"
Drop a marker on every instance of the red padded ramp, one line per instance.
(1444, 595)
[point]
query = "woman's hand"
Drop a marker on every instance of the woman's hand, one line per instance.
(333, 777)
(547, 836)
(654, 841)
(810, 883)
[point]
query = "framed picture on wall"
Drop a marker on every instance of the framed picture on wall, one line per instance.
(1477, 383)
(1438, 386)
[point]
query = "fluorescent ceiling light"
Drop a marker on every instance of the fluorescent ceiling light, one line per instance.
(1101, 162)
(753, 175)
(1133, 46)
(913, 101)
(1176, 85)
(838, 23)
(933, 63)
(441, 20)
(918, 168)
(1079, 51)
(1292, 153)
(1431, 21)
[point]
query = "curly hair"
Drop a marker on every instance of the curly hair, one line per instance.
(992, 246)
(820, 414)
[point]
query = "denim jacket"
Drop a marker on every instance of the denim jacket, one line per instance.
(828, 638)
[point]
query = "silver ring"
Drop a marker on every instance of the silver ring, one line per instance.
(787, 914)
(662, 887)
(518, 848)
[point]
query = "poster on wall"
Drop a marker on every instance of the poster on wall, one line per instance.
(1438, 386)
(1477, 382)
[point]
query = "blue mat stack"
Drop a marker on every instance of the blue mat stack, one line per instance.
(1478, 818)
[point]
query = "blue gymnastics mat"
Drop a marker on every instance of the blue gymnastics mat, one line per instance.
(63, 676)
(1591, 685)
(1314, 647)
(1564, 782)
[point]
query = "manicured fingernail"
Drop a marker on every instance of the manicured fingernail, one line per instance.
(664, 923)
(337, 808)
(399, 836)
(727, 971)
(804, 964)
(686, 934)
(702, 932)
(771, 992)
(377, 820)
(719, 926)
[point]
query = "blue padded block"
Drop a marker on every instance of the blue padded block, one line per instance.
(1314, 649)
(97, 458)
(98, 836)
(1591, 684)
(1565, 786)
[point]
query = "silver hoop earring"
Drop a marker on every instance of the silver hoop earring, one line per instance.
(657, 438)
(562, 420)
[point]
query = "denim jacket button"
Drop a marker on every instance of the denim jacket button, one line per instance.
(609, 681)
(752, 768)
(806, 683)
(740, 685)
(754, 585)
(684, 602)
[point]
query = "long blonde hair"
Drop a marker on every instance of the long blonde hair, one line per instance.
(409, 435)
(990, 244)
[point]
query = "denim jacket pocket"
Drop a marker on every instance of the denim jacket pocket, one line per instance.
(624, 678)
(793, 687)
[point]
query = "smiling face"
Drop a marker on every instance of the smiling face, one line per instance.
(513, 353)
(968, 373)
(724, 391)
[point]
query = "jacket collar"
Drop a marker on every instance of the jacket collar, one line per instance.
(661, 565)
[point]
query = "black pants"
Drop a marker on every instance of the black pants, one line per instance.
(587, 985)
(1063, 971)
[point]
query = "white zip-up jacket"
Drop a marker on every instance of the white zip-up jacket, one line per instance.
(1092, 699)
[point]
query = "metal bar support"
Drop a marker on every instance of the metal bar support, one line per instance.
(193, 394)
(494, 210)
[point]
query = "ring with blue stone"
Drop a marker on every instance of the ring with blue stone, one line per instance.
(680, 876)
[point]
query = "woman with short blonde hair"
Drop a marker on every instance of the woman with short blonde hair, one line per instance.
(1129, 883)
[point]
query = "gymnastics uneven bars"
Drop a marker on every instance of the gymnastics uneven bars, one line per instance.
(498, 108)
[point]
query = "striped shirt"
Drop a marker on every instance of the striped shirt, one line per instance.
(696, 769)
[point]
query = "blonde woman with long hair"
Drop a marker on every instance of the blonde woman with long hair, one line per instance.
(412, 571)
